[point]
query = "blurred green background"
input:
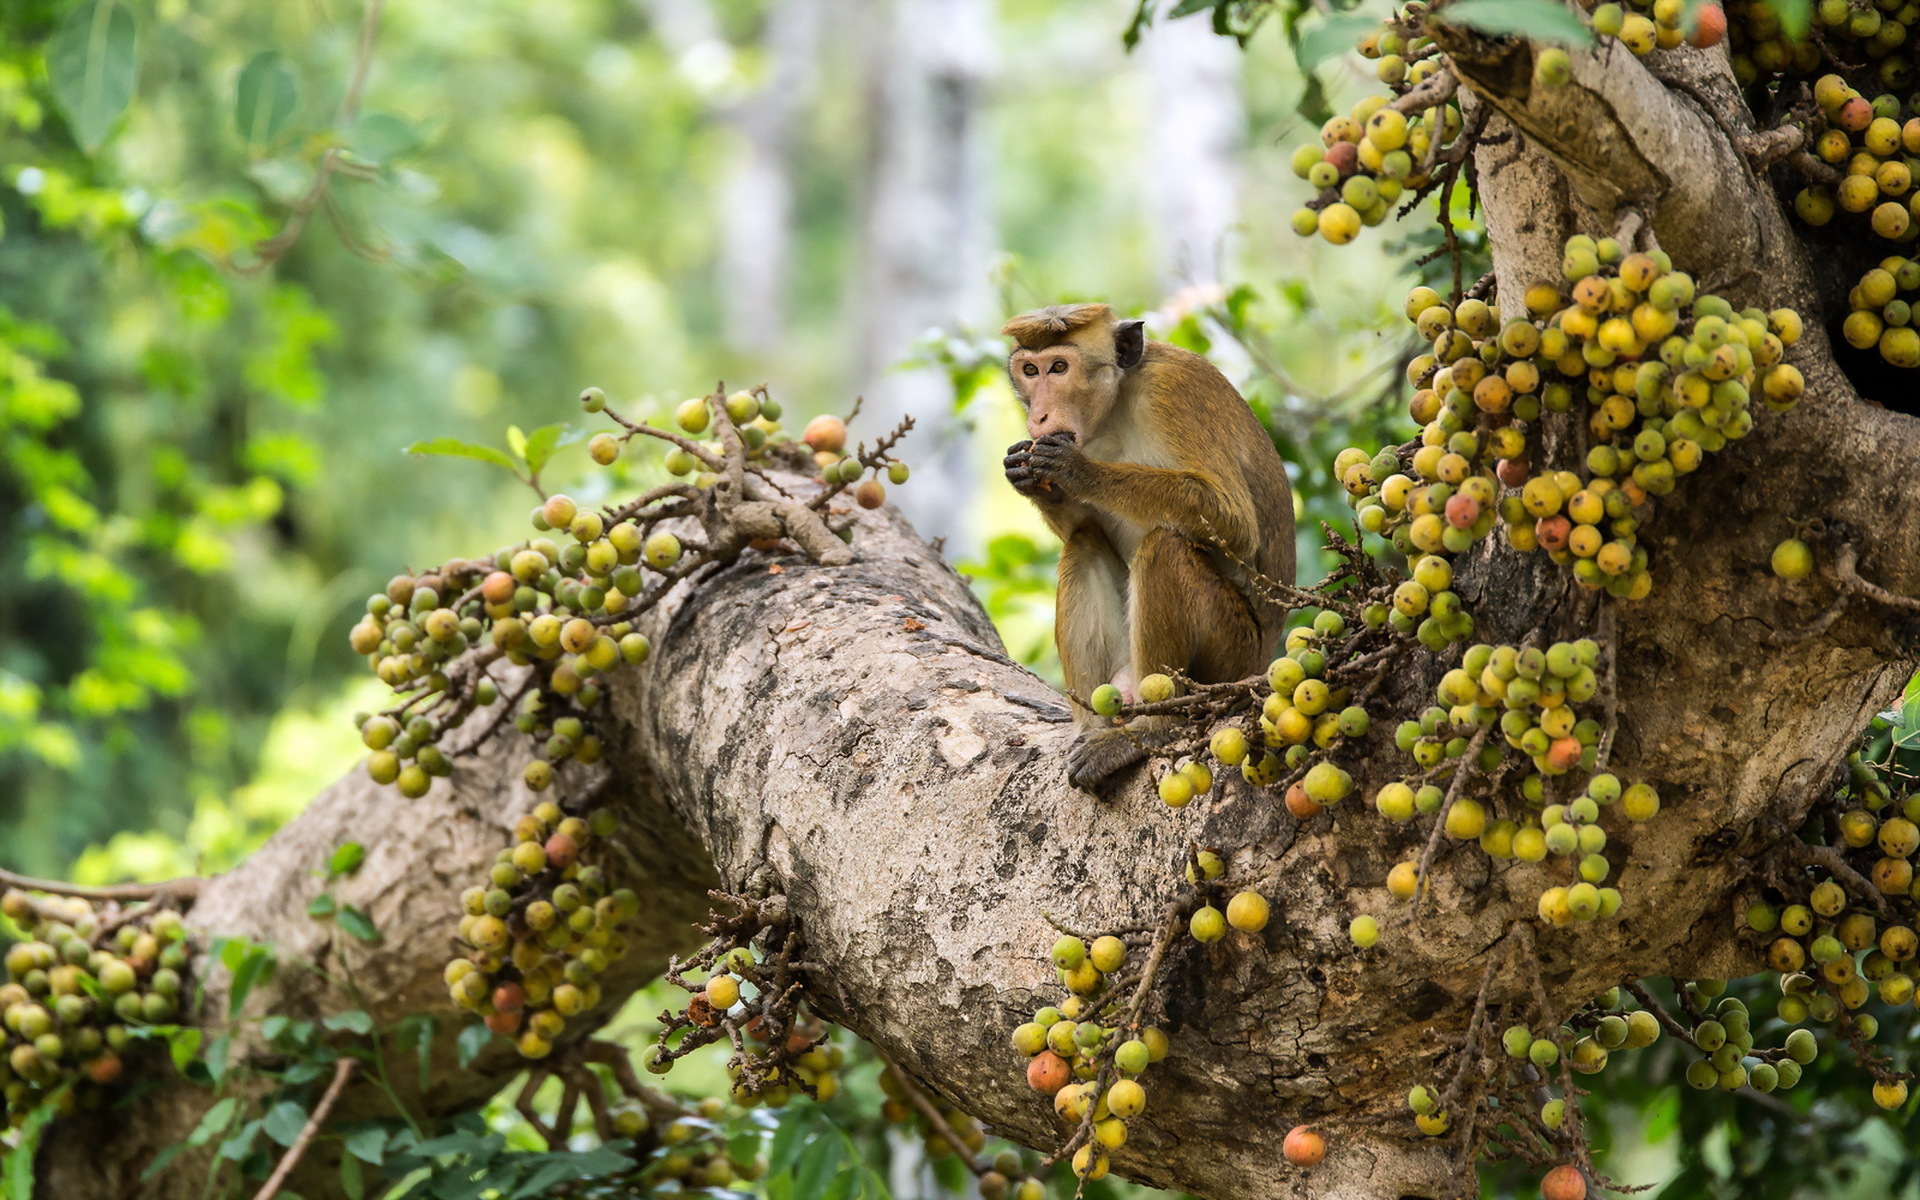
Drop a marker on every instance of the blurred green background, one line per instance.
(211, 356)
(203, 473)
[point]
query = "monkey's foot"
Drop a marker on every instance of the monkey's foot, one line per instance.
(1100, 753)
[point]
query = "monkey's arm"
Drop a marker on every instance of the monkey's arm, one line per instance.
(1201, 505)
(1065, 517)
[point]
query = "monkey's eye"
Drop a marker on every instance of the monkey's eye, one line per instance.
(1059, 367)
(1029, 369)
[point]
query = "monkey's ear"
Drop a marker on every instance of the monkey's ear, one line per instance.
(1129, 343)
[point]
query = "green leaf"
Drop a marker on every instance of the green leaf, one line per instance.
(353, 1020)
(357, 923)
(1662, 1116)
(1333, 36)
(820, 1163)
(216, 1056)
(517, 441)
(1795, 16)
(183, 1045)
(473, 1039)
(93, 63)
(382, 137)
(266, 99)
(1187, 8)
(423, 1049)
(796, 1127)
(19, 1161)
(842, 1186)
(351, 1181)
(368, 1145)
(255, 961)
(543, 442)
(240, 1144)
(455, 448)
(230, 951)
(161, 1161)
(214, 1122)
(346, 859)
(284, 1121)
(1539, 20)
(454, 1143)
(322, 906)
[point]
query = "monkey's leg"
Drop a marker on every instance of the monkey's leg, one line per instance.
(1187, 616)
(1090, 614)
(1184, 616)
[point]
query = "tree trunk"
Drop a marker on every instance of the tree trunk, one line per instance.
(856, 739)
(1196, 130)
(757, 233)
(925, 233)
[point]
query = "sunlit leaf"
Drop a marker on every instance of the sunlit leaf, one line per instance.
(455, 448)
(1795, 16)
(543, 442)
(346, 859)
(183, 1046)
(254, 962)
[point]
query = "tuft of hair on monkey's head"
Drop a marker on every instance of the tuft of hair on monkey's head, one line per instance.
(1054, 324)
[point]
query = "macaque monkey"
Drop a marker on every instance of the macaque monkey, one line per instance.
(1163, 489)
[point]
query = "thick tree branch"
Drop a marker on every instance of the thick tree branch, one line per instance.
(855, 739)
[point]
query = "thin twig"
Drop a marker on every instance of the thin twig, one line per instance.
(931, 1112)
(269, 251)
(186, 887)
(343, 1068)
(1844, 571)
(1843, 871)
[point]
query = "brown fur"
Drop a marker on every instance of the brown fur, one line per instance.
(1049, 326)
(1157, 477)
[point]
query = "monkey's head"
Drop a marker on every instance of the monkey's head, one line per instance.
(1067, 364)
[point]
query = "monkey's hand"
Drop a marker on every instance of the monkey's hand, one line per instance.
(1099, 753)
(1052, 468)
(1021, 475)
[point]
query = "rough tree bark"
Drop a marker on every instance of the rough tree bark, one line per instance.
(855, 738)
